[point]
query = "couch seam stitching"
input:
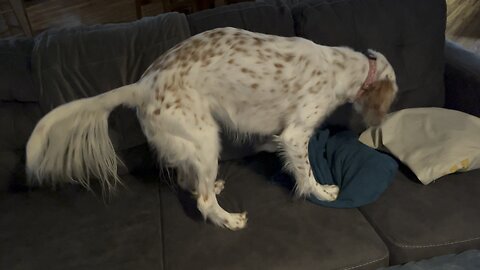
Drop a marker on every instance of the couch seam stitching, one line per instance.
(367, 263)
(434, 245)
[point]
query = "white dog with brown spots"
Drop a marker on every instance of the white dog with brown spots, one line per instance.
(249, 82)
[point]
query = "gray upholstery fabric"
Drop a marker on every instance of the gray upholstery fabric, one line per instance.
(70, 228)
(18, 107)
(409, 33)
(258, 17)
(418, 222)
(16, 82)
(462, 79)
(17, 120)
(282, 233)
(468, 260)
(287, 3)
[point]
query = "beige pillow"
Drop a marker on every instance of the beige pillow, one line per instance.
(432, 142)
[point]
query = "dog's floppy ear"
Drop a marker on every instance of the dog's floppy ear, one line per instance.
(376, 100)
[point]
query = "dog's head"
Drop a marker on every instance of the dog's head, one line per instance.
(374, 101)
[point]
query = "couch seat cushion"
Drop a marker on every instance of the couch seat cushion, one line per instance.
(282, 233)
(419, 222)
(72, 229)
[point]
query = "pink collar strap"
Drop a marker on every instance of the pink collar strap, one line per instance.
(372, 72)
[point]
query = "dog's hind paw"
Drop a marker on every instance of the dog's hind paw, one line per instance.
(219, 186)
(235, 221)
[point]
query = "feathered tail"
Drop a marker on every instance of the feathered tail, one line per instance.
(71, 142)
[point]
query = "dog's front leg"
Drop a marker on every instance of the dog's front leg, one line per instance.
(294, 143)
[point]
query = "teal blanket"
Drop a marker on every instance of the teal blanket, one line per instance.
(361, 172)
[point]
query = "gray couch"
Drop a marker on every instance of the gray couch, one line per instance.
(151, 224)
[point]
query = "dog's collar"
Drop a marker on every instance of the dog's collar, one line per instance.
(372, 71)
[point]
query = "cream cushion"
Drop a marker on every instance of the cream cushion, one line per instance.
(432, 142)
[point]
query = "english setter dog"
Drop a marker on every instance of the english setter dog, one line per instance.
(250, 83)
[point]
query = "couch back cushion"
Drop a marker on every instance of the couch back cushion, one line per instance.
(80, 62)
(409, 33)
(16, 83)
(263, 17)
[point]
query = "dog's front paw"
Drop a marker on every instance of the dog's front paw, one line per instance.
(325, 192)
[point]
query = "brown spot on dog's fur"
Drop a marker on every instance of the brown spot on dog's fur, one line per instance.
(240, 50)
(261, 55)
(278, 65)
(255, 86)
(288, 57)
(195, 57)
(230, 61)
(339, 64)
(258, 41)
(156, 112)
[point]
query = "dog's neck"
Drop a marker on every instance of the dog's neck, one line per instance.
(360, 73)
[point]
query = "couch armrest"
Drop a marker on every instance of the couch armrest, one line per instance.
(462, 79)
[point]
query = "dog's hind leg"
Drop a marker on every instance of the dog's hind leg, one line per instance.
(294, 143)
(193, 148)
